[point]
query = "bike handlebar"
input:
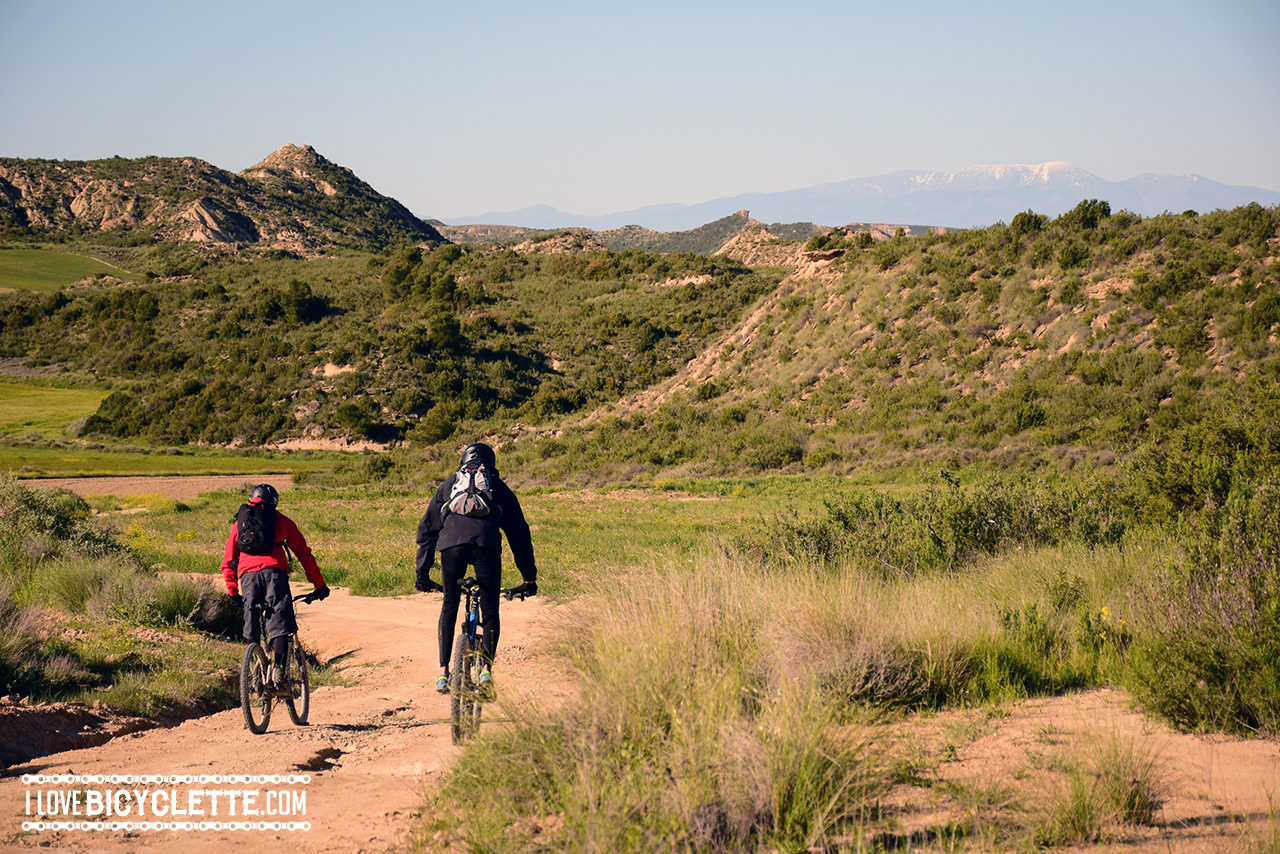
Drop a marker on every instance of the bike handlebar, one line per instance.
(305, 597)
(469, 583)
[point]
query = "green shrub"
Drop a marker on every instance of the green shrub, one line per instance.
(1210, 656)
(944, 527)
(1073, 254)
(39, 524)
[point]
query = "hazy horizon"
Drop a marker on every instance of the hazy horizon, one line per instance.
(457, 110)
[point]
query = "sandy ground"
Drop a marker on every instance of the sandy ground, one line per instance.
(177, 487)
(371, 748)
(1218, 794)
(376, 743)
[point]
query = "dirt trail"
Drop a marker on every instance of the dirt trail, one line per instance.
(177, 487)
(371, 748)
(1218, 794)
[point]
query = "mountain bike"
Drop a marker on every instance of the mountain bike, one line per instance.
(466, 694)
(256, 694)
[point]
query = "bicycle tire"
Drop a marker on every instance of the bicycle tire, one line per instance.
(464, 706)
(474, 661)
(299, 704)
(478, 695)
(255, 696)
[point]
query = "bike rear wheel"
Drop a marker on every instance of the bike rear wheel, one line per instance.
(464, 702)
(299, 703)
(255, 689)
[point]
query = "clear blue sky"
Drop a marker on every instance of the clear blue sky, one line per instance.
(594, 107)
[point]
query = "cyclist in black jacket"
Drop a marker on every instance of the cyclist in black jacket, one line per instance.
(464, 540)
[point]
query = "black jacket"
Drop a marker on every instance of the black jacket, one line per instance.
(437, 533)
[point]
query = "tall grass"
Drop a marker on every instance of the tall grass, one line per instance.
(1117, 783)
(694, 729)
(727, 707)
(61, 568)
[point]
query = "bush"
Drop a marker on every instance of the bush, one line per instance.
(38, 524)
(1073, 254)
(1211, 656)
(945, 526)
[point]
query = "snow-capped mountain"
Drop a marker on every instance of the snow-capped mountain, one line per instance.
(975, 196)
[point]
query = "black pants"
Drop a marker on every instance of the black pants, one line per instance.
(270, 585)
(453, 566)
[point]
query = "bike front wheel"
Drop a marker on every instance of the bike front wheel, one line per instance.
(299, 702)
(255, 689)
(464, 702)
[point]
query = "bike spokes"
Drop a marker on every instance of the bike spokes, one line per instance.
(299, 701)
(255, 689)
(464, 699)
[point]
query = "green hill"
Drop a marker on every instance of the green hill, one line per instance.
(1041, 342)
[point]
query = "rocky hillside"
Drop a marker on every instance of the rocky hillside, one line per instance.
(294, 200)
(739, 235)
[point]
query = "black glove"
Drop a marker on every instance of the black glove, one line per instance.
(523, 590)
(237, 600)
(321, 592)
(426, 585)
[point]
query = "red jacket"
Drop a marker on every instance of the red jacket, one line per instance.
(287, 534)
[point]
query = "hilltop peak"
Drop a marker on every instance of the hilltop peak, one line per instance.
(294, 200)
(288, 158)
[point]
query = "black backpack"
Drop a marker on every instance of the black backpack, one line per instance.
(256, 529)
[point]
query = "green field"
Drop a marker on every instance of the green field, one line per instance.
(43, 410)
(50, 270)
(364, 538)
(44, 413)
(29, 462)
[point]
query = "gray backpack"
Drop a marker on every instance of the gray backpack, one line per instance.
(472, 492)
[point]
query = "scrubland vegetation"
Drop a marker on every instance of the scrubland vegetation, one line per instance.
(75, 603)
(938, 472)
(731, 706)
(1043, 343)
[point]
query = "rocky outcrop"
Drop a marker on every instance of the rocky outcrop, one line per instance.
(209, 223)
(294, 199)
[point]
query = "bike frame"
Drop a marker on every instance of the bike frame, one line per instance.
(466, 693)
(256, 698)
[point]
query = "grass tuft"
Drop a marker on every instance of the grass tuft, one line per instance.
(1118, 783)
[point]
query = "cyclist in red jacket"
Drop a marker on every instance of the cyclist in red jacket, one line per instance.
(254, 578)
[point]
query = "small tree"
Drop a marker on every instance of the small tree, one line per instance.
(1028, 222)
(1087, 214)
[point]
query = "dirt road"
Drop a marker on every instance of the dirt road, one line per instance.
(371, 748)
(177, 487)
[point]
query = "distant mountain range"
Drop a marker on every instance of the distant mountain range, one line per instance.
(976, 196)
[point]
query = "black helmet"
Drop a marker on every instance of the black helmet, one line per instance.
(266, 493)
(479, 452)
